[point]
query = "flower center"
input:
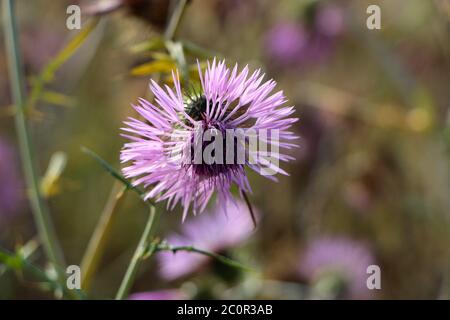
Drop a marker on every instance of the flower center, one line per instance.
(196, 107)
(211, 155)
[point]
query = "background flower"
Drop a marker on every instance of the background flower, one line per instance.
(285, 42)
(312, 40)
(212, 231)
(340, 263)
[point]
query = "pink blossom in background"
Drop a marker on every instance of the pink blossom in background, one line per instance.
(212, 231)
(285, 42)
(329, 20)
(295, 44)
(343, 257)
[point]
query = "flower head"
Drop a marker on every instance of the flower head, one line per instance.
(329, 20)
(190, 145)
(212, 231)
(343, 260)
(285, 43)
(295, 44)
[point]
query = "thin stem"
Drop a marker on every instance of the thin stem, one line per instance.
(113, 172)
(102, 230)
(136, 260)
(94, 251)
(250, 208)
(221, 258)
(175, 19)
(20, 264)
(38, 206)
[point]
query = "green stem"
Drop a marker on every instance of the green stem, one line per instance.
(38, 206)
(175, 19)
(94, 251)
(22, 266)
(136, 260)
(218, 257)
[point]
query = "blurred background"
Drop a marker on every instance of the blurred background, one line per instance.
(370, 184)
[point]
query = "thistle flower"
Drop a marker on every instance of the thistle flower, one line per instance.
(285, 43)
(329, 20)
(160, 151)
(342, 261)
(291, 44)
(212, 231)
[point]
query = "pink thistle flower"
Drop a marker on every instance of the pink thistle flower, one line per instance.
(298, 45)
(228, 100)
(213, 232)
(285, 43)
(343, 258)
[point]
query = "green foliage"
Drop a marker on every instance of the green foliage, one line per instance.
(19, 263)
(166, 56)
(48, 73)
(113, 172)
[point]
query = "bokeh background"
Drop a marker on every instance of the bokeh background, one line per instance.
(370, 184)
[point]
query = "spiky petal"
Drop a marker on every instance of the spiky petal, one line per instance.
(228, 99)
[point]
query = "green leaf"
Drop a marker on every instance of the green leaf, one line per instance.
(197, 51)
(177, 53)
(16, 262)
(113, 172)
(165, 66)
(68, 51)
(153, 246)
(65, 54)
(57, 99)
(155, 43)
